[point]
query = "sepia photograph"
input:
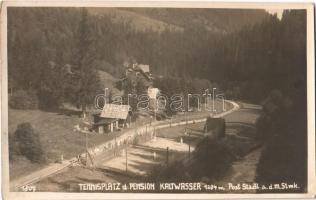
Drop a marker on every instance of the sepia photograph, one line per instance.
(157, 99)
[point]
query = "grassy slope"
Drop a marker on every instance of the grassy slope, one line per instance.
(55, 126)
(57, 136)
(56, 131)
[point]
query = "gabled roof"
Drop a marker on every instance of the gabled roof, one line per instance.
(143, 68)
(115, 111)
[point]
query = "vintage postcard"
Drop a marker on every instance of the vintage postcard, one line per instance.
(157, 100)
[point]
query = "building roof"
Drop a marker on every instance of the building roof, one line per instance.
(115, 111)
(144, 68)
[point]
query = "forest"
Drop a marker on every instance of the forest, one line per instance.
(246, 64)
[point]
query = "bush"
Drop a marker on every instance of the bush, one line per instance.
(24, 100)
(27, 143)
(282, 127)
(211, 159)
(283, 160)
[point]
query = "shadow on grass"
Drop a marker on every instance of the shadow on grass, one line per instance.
(63, 111)
(147, 157)
(236, 124)
(69, 113)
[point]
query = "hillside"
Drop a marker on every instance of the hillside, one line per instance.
(137, 20)
(215, 20)
(176, 19)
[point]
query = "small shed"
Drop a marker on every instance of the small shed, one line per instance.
(111, 117)
(105, 124)
(215, 127)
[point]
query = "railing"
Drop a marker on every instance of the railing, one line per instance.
(114, 148)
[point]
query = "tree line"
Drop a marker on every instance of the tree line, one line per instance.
(246, 64)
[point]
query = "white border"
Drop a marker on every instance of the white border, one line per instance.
(183, 4)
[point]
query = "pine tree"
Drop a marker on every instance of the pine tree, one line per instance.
(85, 78)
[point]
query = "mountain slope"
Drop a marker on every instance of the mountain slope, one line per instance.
(214, 19)
(177, 19)
(139, 21)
